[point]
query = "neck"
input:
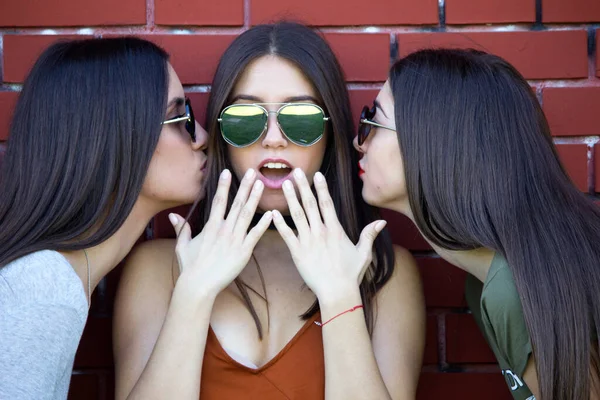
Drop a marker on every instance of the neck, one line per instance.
(105, 256)
(476, 262)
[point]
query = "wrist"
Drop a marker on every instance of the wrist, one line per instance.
(192, 297)
(333, 303)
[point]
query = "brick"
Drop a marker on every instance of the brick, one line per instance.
(84, 387)
(194, 57)
(537, 55)
(465, 344)
(464, 386)
(21, 52)
(404, 232)
(199, 104)
(358, 99)
(597, 167)
(8, 100)
(489, 11)
(199, 12)
(364, 57)
(72, 12)
(570, 11)
(575, 160)
(598, 53)
(443, 283)
(430, 355)
(572, 111)
(347, 12)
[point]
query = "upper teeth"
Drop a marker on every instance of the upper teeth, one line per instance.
(275, 165)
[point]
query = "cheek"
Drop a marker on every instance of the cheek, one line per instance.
(311, 162)
(240, 162)
(173, 173)
(385, 177)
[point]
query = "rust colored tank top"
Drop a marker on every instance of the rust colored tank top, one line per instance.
(296, 372)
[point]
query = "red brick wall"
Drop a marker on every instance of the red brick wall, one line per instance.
(554, 43)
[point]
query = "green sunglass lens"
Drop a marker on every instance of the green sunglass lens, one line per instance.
(241, 125)
(303, 124)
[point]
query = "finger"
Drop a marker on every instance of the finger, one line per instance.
(311, 208)
(287, 234)
(367, 237)
(240, 199)
(295, 208)
(247, 212)
(256, 233)
(219, 202)
(182, 229)
(326, 202)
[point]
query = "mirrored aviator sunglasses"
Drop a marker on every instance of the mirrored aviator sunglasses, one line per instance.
(243, 124)
(188, 117)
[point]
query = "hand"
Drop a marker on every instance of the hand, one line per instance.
(330, 264)
(213, 259)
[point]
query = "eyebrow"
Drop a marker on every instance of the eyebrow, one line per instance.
(378, 105)
(256, 99)
(177, 101)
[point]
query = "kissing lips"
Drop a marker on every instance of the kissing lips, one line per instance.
(360, 170)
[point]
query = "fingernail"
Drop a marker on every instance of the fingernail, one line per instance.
(173, 218)
(269, 214)
(380, 225)
(225, 174)
(258, 185)
(319, 177)
(249, 173)
(287, 185)
(298, 173)
(276, 214)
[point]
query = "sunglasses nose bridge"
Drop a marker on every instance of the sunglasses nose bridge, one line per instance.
(273, 135)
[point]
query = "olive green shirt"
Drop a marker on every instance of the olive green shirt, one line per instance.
(496, 306)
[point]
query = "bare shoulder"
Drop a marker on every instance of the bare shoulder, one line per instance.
(405, 277)
(154, 259)
(148, 276)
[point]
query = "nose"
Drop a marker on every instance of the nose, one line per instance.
(201, 141)
(274, 137)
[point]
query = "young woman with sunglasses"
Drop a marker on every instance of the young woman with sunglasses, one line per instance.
(96, 149)
(316, 313)
(457, 141)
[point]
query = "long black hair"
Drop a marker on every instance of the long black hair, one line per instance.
(482, 171)
(312, 55)
(82, 135)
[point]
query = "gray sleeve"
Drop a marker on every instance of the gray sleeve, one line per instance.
(37, 349)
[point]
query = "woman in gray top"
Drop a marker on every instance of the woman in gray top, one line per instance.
(102, 139)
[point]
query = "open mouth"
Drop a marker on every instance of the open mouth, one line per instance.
(274, 173)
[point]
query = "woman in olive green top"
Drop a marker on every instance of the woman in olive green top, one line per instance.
(457, 141)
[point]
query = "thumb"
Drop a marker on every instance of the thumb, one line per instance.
(368, 235)
(182, 229)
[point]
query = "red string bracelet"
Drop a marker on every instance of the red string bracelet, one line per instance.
(335, 316)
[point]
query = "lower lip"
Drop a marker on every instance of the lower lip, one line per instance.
(273, 183)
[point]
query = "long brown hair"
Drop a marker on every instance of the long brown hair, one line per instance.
(482, 171)
(309, 51)
(83, 132)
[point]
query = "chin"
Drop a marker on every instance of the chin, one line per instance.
(370, 199)
(274, 203)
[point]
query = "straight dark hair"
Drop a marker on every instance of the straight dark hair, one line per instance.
(312, 55)
(482, 171)
(83, 132)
